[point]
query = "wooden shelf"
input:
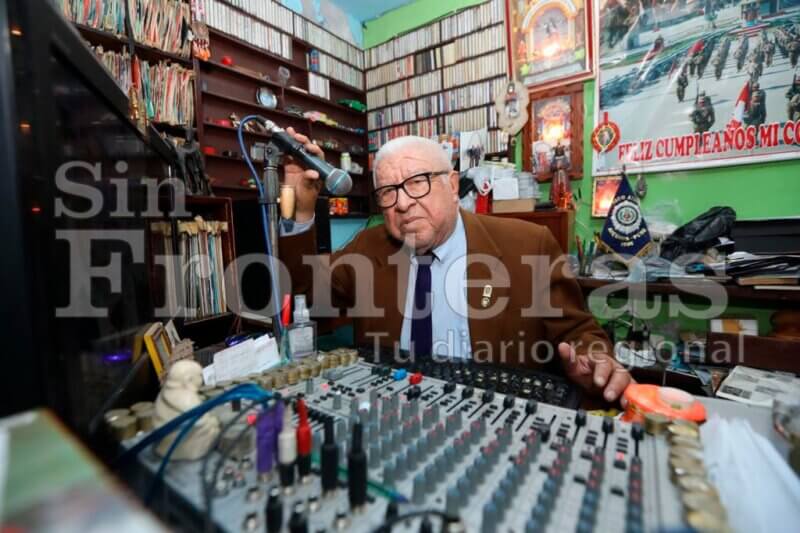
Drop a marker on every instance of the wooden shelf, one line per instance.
(470, 108)
(280, 59)
(437, 93)
(766, 298)
(146, 52)
(294, 38)
(462, 60)
(262, 109)
(427, 48)
(237, 72)
(324, 101)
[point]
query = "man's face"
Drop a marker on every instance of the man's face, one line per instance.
(422, 223)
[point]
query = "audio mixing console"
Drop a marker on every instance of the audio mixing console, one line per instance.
(387, 442)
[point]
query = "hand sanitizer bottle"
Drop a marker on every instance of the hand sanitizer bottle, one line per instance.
(303, 332)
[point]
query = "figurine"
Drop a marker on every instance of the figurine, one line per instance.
(178, 395)
(560, 193)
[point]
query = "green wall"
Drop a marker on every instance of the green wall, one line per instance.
(754, 191)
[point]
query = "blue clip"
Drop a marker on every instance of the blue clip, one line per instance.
(400, 374)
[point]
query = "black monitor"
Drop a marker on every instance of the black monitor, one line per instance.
(75, 190)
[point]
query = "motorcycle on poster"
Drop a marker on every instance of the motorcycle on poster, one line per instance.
(694, 84)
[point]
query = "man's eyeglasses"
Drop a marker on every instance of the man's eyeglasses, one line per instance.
(415, 187)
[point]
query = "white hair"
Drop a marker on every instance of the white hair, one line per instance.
(441, 160)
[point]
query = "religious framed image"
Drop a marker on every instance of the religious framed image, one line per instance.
(549, 41)
(603, 191)
(553, 137)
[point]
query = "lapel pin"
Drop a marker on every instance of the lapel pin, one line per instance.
(487, 294)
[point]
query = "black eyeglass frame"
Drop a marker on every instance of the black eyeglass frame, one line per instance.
(402, 185)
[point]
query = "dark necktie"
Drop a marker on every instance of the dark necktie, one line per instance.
(421, 324)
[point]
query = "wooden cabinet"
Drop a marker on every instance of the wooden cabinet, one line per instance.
(560, 222)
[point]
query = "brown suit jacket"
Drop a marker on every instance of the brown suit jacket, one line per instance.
(500, 333)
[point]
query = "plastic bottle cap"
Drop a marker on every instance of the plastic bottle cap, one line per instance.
(300, 309)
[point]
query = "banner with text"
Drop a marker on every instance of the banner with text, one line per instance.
(696, 84)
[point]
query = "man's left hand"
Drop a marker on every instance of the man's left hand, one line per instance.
(595, 372)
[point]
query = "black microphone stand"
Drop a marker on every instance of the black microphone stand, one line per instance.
(272, 191)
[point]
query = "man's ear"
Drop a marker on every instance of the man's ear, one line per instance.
(454, 177)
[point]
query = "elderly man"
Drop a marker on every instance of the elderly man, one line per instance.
(438, 280)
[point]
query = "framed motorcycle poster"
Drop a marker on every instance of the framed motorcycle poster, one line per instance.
(549, 41)
(695, 85)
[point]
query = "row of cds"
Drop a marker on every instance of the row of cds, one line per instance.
(162, 24)
(474, 119)
(474, 44)
(469, 20)
(461, 23)
(223, 17)
(324, 40)
(395, 114)
(482, 42)
(343, 72)
(166, 93)
(412, 87)
(319, 86)
(402, 68)
(277, 15)
(497, 141)
(475, 69)
(422, 128)
(481, 93)
(268, 11)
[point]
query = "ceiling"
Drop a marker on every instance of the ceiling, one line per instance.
(364, 10)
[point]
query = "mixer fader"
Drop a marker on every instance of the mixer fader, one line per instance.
(392, 442)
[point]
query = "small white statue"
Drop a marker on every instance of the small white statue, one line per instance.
(178, 395)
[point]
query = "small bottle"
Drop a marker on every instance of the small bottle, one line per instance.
(344, 162)
(303, 331)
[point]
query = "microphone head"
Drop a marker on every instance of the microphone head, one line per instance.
(338, 182)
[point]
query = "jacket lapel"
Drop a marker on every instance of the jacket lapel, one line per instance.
(483, 292)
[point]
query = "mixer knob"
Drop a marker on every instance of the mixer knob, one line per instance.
(580, 418)
(412, 456)
(400, 467)
(337, 401)
(449, 387)
(374, 455)
(530, 407)
(467, 392)
(490, 518)
(608, 425)
(453, 502)
(637, 432)
(427, 417)
(419, 489)
(424, 447)
(487, 396)
(389, 474)
(386, 447)
(508, 402)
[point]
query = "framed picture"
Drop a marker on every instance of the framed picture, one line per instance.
(603, 191)
(158, 347)
(549, 41)
(553, 137)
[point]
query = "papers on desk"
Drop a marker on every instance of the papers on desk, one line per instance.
(252, 356)
(756, 486)
(758, 387)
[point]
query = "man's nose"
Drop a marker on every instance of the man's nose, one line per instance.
(404, 201)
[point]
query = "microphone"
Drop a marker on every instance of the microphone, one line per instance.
(337, 181)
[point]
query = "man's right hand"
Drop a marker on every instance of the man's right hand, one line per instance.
(306, 182)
